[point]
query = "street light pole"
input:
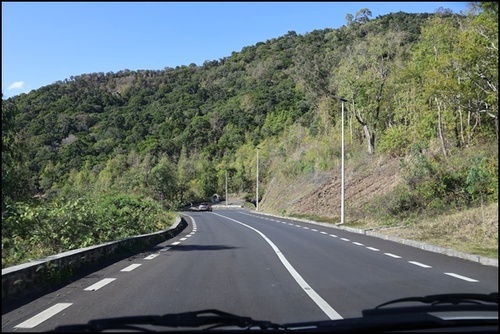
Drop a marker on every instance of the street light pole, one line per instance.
(342, 173)
(257, 191)
(342, 187)
(226, 187)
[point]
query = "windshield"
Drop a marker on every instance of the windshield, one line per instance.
(279, 166)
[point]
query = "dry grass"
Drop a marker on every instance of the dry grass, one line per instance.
(317, 197)
(472, 231)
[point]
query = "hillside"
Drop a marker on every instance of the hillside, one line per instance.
(421, 128)
(317, 197)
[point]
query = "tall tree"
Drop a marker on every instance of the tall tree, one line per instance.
(163, 179)
(16, 177)
(363, 75)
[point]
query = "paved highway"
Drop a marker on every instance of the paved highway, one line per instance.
(264, 267)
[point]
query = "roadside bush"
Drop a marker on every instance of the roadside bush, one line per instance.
(434, 186)
(394, 141)
(32, 232)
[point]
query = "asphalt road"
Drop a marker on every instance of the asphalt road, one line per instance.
(263, 267)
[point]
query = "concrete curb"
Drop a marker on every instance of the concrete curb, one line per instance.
(17, 281)
(417, 244)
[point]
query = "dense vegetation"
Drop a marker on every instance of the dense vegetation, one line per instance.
(412, 82)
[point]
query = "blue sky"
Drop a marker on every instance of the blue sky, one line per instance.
(43, 42)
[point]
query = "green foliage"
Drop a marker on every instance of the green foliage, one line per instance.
(395, 141)
(412, 80)
(436, 188)
(482, 179)
(164, 180)
(31, 232)
(16, 177)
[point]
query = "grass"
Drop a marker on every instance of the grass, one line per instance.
(473, 231)
(316, 218)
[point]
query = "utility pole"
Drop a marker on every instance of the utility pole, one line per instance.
(342, 212)
(342, 187)
(257, 192)
(226, 187)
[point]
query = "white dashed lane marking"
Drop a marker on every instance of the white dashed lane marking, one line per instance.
(42, 316)
(422, 265)
(53, 310)
(131, 267)
(100, 284)
(419, 264)
(461, 277)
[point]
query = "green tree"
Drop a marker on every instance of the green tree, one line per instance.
(16, 177)
(163, 179)
(364, 76)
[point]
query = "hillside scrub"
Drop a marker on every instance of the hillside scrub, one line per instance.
(422, 106)
(441, 209)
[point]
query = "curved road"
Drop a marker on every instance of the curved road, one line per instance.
(264, 267)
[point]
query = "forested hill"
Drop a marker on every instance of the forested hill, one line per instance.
(410, 80)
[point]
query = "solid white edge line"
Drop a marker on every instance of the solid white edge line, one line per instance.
(44, 315)
(462, 277)
(99, 284)
(323, 305)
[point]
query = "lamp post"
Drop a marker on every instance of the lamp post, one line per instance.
(257, 191)
(226, 188)
(342, 187)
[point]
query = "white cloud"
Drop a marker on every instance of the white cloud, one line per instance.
(16, 85)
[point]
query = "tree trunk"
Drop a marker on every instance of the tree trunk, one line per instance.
(370, 138)
(440, 128)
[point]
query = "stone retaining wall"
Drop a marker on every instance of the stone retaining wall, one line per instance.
(22, 279)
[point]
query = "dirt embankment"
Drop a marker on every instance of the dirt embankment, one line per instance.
(318, 195)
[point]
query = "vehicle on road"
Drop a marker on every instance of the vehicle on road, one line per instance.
(477, 313)
(205, 207)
